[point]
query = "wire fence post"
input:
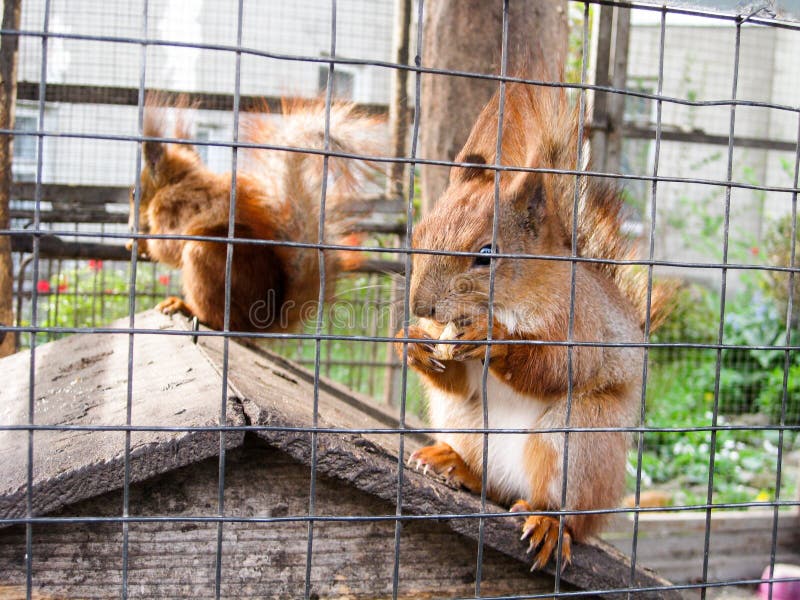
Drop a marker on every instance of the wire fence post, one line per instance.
(9, 44)
(64, 218)
(611, 70)
(398, 126)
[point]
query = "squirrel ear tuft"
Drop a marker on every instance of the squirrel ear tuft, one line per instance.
(528, 197)
(464, 174)
(153, 152)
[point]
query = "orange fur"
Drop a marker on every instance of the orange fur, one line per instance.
(529, 384)
(277, 198)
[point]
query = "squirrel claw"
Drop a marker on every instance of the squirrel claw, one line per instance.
(419, 354)
(526, 531)
(470, 352)
(172, 305)
(543, 531)
(446, 462)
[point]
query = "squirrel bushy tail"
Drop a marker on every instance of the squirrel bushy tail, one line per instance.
(541, 130)
(291, 176)
(291, 180)
(163, 163)
(296, 176)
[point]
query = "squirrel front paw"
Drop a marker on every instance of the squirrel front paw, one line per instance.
(542, 530)
(420, 354)
(172, 305)
(443, 460)
(141, 247)
(477, 329)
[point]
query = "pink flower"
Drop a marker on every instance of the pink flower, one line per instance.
(95, 265)
(43, 286)
(163, 279)
(754, 250)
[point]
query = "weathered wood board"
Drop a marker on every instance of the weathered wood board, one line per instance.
(740, 543)
(350, 559)
(83, 380)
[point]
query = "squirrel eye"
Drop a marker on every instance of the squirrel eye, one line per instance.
(483, 261)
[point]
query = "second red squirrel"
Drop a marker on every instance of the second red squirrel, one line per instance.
(278, 197)
(528, 383)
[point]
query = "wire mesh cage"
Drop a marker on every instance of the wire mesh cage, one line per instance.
(220, 461)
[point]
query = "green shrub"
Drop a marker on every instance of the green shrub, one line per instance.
(775, 284)
(693, 319)
(770, 399)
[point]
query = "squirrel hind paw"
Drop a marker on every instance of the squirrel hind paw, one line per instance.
(542, 534)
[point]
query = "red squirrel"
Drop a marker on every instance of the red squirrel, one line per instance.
(277, 198)
(527, 386)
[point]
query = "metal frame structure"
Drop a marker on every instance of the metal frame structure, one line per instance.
(36, 239)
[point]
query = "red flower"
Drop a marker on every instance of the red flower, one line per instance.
(754, 250)
(95, 265)
(43, 286)
(63, 287)
(109, 291)
(163, 279)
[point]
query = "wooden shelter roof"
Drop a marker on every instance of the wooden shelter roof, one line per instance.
(82, 385)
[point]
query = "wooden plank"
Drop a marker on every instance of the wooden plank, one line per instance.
(740, 543)
(109, 204)
(81, 214)
(54, 247)
(129, 96)
(99, 195)
(352, 559)
(83, 195)
(83, 380)
(698, 136)
(77, 214)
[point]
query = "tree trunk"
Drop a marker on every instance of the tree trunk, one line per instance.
(8, 99)
(466, 35)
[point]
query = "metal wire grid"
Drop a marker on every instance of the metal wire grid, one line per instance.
(144, 41)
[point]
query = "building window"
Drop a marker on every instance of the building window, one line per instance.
(23, 167)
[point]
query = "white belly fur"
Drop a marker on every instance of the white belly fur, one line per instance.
(507, 474)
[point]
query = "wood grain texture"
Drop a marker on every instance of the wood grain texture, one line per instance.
(129, 96)
(350, 559)
(740, 543)
(83, 380)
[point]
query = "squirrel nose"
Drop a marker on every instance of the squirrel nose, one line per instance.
(424, 310)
